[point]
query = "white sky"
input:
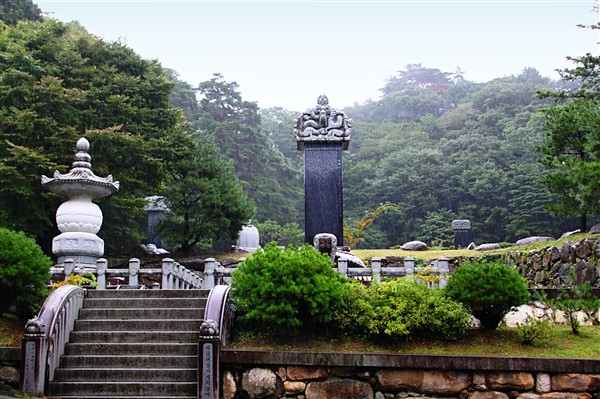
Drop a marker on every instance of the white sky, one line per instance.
(287, 53)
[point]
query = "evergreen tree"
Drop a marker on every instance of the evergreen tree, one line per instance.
(205, 200)
(571, 150)
(58, 83)
(235, 127)
(13, 11)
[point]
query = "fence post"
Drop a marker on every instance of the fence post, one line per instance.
(409, 267)
(210, 265)
(376, 269)
(444, 270)
(167, 269)
(68, 267)
(134, 268)
(343, 267)
(101, 266)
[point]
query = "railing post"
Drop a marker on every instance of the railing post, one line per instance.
(409, 267)
(376, 269)
(34, 353)
(343, 267)
(68, 267)
(210, 265)
(134, 269)
(444, 269)
(101, 266)
(167, 273)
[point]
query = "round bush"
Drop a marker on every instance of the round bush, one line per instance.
(404, 308)
(287, 291)
(24, 270)
(489, 289)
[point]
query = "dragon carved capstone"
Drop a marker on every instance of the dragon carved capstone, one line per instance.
(322, 123)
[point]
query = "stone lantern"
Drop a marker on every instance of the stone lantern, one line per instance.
(79, 219)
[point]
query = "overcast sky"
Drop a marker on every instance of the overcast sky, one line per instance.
(287, 53)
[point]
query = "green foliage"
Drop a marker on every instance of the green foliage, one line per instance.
(287, 291)
(205, 199)
(489, 289)
(403, 309)
(573, 301)
(234, 125)
(571, 149)
(534, 329)
(13, 11)
(58, 83)
(80, 280)
(23, 271)
(354, 231)
(288, 235)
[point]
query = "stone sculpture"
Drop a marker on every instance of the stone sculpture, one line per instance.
(79, 219)
(322, 123)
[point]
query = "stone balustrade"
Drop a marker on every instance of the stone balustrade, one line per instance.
(172, 275)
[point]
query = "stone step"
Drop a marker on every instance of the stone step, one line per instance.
(141, 313)
(134, 337)
(126, 374)
(113, 389)
(138, 325)
(149, 303)
(147, 293)
(133, 349)
(105, 361)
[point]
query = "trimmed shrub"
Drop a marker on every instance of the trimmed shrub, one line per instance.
(406, 309)
(287, 291)
(24, 270)
(489, 289)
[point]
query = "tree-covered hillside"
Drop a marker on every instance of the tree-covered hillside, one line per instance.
(444, 148)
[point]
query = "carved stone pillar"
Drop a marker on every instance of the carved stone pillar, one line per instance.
(323, 133)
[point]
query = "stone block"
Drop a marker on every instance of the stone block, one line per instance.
(528, 395)
(488, 395)
(260, 383)
(510, 381)
(229, 388)
(339, 389)
(543, 383)
(573, 382)
(564, 395)
(296, 373)
(426, 382)
(294, 387)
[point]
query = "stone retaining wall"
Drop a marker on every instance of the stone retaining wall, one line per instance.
(267, 374)
(10, 359)
(550, 267)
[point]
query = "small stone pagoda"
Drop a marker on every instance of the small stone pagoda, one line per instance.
(79, 219)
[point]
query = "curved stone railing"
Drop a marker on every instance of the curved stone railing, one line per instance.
(46, 336)
(214, 333)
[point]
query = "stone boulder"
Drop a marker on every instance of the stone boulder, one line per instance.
(346, 389)
(529, 240)
(487, 247)
(570, 233)
(595, 229)
(414, 246)
(261, 383)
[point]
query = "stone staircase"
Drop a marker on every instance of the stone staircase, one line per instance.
(133, 344)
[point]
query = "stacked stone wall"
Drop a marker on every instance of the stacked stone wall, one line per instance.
(259, 380)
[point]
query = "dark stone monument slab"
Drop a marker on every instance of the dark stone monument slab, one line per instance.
(323, 132)
(462, 233)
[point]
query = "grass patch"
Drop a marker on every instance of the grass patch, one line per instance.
(453, 253)
(11, 331)
(501, 342)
